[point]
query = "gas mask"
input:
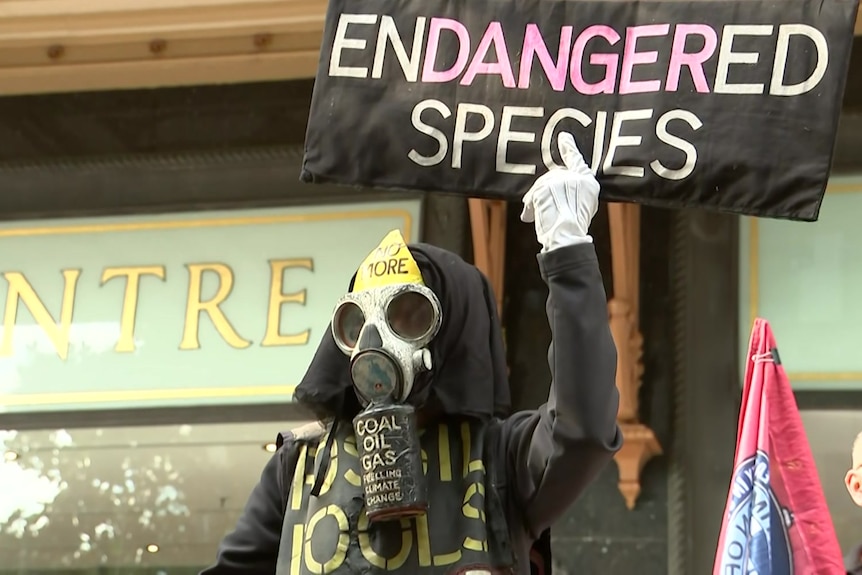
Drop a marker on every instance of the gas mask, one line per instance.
(385, 326)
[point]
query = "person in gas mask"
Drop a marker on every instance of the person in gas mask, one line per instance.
(416, 464)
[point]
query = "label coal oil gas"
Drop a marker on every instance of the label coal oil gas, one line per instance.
(392, 477)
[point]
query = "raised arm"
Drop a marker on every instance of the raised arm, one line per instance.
(556, 451)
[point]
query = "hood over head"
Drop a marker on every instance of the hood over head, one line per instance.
(468, 375)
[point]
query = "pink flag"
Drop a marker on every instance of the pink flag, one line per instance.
(776, 521)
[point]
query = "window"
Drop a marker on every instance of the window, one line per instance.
(804, 278)
(130, 500)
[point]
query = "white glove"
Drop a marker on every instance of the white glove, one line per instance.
(563, 201)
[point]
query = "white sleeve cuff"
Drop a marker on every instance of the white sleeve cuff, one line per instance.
(567, 241)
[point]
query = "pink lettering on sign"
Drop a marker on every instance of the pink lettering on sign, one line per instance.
(592, 62)
(632, 57)
(502, 67)
(609, 61)
(694, 60)
(534, 45)
(435, 28)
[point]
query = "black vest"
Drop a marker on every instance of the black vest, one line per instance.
(464, 530)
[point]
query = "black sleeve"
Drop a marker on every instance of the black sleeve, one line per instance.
(554, 453)
(252, 547)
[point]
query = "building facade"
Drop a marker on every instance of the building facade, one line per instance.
(165, 278)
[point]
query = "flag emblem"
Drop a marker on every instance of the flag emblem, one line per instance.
(758, 525)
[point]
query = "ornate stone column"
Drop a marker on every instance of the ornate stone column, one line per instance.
(488, 224)
(640, 443)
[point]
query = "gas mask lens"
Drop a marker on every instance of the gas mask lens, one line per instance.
(348, 322)
(410, 315)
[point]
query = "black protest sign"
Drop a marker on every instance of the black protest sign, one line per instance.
(730, 105)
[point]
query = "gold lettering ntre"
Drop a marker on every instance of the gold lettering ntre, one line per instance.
(21, 290)
(277, 300)
(133, 274)
(195, 307)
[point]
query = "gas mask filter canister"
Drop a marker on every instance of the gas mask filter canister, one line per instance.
(385, 325)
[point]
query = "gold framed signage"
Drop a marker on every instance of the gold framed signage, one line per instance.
(178, 309)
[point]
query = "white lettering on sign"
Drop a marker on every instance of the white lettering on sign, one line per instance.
(627, 128)
(512, 61)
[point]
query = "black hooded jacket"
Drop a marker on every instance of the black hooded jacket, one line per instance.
(547, 456)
